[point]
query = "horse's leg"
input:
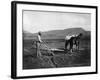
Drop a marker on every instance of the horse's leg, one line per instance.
(75, 45)
(71, 46)
(66, 43)
(78, 45)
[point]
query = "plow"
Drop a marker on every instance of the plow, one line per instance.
(44, 47)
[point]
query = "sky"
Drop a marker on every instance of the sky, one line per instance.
(35, 21)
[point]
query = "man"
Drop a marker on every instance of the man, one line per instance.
(67, 41)
(72, 42)
(39, 41)
(39, 37)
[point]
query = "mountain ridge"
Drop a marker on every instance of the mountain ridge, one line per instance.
(56, 34)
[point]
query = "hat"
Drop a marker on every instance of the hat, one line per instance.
(39, 33)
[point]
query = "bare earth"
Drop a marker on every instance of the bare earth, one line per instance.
(77, 58)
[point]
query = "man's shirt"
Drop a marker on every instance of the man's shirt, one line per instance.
(39, 38)
(67, 37)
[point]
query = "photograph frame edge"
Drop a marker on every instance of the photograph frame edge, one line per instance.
(14, 38)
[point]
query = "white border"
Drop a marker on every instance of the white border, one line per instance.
(35, 72)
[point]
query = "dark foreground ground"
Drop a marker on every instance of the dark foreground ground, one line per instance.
(78, 58)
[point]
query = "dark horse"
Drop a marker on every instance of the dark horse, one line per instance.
(73, 40)
(77, 40)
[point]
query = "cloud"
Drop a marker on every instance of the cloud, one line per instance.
(34, 21)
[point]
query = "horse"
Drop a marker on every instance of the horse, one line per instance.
(72, 40)
(77, 40)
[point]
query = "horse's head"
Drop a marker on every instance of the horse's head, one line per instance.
(80, 35)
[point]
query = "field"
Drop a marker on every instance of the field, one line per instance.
(77, 58)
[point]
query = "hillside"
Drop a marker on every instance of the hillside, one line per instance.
(57, 34)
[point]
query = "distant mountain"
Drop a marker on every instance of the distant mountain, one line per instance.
(27, 35)
(57, 34)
